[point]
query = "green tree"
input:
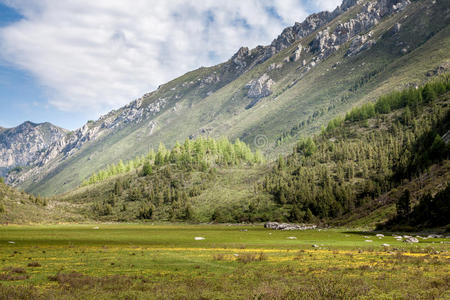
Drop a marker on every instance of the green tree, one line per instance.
(404, 204)
(428, 93)
(307, 147)
(309, 217)
(147, 168)
(146, 211)
(118, 187)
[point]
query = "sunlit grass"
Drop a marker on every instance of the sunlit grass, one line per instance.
(250, 259)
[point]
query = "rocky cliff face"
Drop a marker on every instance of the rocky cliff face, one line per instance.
(20, 146)
(327, 41)
(246, 59)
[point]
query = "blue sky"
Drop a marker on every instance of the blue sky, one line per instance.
(68, 62)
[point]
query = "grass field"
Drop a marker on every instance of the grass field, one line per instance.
(135, 261)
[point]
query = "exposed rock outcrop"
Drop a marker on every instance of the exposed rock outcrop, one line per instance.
(360, 43)
(326, 42)
(245, 59)
(260, 87)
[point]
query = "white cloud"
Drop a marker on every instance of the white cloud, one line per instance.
(98, 55)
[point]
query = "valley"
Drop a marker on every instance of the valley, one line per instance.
(339, 130)
(161, 261)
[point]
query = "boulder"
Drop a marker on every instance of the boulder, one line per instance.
(286, 226)
(411, 240)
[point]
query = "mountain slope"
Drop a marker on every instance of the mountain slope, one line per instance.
(360, 163)
(19, 146)
(17, 207)
(352, 173)
(267, 96)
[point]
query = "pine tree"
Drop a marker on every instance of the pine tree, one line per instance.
(404, 205)
(147, 168)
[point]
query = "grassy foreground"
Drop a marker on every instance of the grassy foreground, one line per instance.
(129, 261)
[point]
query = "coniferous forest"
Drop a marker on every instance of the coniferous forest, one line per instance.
(374, 149)
(369, 152)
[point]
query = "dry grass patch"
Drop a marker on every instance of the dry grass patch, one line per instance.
(251, 257)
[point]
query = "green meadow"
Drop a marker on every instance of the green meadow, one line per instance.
(145, 261)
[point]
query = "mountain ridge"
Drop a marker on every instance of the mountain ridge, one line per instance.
(281, 98)
(20, 145)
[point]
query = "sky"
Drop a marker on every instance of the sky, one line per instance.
(66, 61)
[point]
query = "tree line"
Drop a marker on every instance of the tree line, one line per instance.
(201, 153)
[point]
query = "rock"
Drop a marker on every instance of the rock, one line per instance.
(96, 227)
(441, 69)
(396, 28)
(368, 241)
(285, 226)
(446, 139)
(386, 245)
(274, 66)
(315, 246)
(260, 87)
(291, 238)
(379, 235)
(325, 43)
(435, 236)
(297, 53)
(360, 43)
(411, 240)
(199, 238)
(239, 57)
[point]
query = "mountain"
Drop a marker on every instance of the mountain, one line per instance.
(354, 172)
(21, 145)
(268, 96)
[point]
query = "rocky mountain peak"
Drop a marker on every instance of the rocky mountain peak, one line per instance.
(19, 146)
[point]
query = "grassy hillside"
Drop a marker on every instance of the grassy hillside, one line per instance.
(352, 173)
(299, 105)
(200, 181)
(20, 208)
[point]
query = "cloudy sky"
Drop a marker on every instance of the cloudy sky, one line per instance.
(67, 61)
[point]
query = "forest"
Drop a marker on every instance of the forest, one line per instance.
(373, 149)
(370, 151)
